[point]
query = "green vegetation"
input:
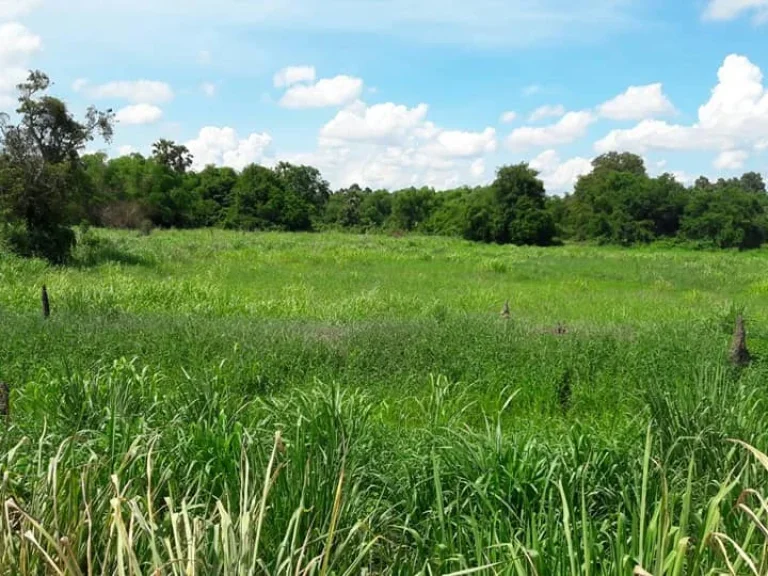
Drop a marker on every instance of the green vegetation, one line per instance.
(46, 187)
(217, 402)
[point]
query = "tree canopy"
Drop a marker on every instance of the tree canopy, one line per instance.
(47, 185)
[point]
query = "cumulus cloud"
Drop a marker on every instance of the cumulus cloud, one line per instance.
(138, 114)
(569, 128)
(380, 123)
(294, 75)
(138, 91)
(392, 145)
(126, 150)
(559, 176)
(327, 92)
(637, 103)
(732, 9)
(17, 48)
(532, 89)
(735, 116)
(477, 168)
(223, 147)
(508, 117)
(458, 144)
(731, 160)
(547, 111)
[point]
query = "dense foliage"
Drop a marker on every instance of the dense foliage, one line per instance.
(617, 203)
(46, 186)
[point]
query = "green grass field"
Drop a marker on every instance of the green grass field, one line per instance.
(211, 402)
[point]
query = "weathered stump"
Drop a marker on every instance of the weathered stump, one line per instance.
(46, 303)
(5, 400)
(739, 354)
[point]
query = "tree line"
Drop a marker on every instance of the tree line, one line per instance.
(48, 184)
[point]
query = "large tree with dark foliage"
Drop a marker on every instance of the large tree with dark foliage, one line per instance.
(521, 213)
(41, 176)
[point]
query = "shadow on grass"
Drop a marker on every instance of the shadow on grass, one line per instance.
(95, 251)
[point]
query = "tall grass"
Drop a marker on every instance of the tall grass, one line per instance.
(211, 403)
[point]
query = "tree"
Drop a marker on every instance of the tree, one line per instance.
(412, 207)
(306, 184)
(620, 162)
(41, 176)
(176, 157)
(522, 216)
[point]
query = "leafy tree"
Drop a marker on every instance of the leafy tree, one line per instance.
(259, 201)
(412, 207)
(176, 157)
(304, 182)
(726, 216)
(618, 203)
(214, 187)
(521, 216)
(620, 162)
(41, 176)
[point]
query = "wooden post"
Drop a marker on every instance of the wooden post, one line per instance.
(46, 303)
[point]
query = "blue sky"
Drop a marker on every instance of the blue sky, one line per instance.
(390, 93)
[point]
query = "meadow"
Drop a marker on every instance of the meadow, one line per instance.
(211, 402)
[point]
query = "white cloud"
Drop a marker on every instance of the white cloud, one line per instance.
(661, 164)
(394, 146)
(138, 91)
(731, 160)
(126, 150)
(17, 48)
(736, 115)
(477, 168)
(731, 9)
(294, 75)
(547, 111)
(683, 177)
(326, 92)
(458, 144)
(761, 145)
(223, 147)
(559, 177)
(14, 8)
(138, 114)
(17, 43)
(531, 89)
(569, 128)
(209, 89)
(508, 117)
(637, 103)
(380, 123)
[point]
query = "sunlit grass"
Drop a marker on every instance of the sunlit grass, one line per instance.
(221, 403)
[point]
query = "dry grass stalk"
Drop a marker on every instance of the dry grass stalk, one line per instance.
(739, 354)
